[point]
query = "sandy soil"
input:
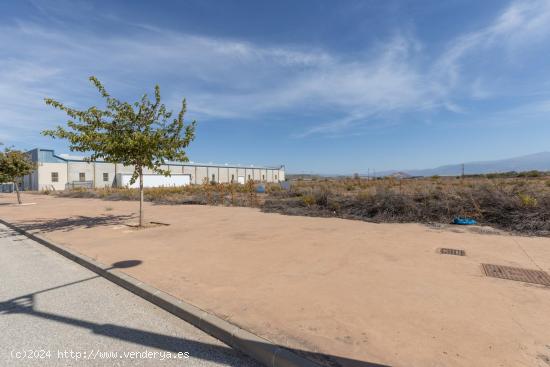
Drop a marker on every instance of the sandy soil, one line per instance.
(377, 293)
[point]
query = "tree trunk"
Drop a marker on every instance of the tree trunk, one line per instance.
(140, 198)
(17, 192)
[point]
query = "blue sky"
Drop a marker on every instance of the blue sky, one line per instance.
(320, 86)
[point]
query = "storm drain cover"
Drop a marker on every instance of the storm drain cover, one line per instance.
(519, 274)
(452, 251)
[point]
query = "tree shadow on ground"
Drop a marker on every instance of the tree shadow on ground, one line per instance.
(72, 223)
(18, 237)
(26, 305)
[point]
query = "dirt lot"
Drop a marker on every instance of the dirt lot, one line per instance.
(377, 293)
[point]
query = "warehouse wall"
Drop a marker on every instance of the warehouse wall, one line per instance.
(281, 176)
(224, 174)
(69, 172)
(202, 173)
(30, 182)
(257, 174)
(175, 169)
(212, 174)
(101, 169)
(75, 168)
(44, 174)
(191, 171)
(232, 174)
(241, 173)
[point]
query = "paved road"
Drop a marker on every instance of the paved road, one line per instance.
(64, 315)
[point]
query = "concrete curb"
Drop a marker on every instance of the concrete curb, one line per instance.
(260, 349)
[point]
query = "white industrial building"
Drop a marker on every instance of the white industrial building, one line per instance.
(61, 171)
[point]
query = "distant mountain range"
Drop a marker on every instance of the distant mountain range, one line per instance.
(537, 161)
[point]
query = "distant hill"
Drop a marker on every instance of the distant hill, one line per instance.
(537, 161)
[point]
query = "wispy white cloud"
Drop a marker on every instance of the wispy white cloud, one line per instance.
(234, 79)
(221, 78)
(521, 25)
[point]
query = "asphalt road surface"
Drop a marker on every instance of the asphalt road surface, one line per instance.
(54, 312)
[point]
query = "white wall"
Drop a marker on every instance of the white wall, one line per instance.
(45, 176)
(154, 180)
(202, 172)
(69, 172)
(224, 177)
(281, 175)
(75, 168)
(190, 170)
(100, 169)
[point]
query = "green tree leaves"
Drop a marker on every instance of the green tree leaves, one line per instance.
(14, 164)
(140, 134)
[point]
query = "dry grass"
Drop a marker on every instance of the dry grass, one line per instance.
(205, 194)
(516, 204)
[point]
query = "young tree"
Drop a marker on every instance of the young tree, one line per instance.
(140, 135)
(14, 164)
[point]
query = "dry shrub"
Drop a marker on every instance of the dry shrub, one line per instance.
(521, 207)
(515, 204)
(308, 200)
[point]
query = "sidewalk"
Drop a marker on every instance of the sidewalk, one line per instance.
(61, 314)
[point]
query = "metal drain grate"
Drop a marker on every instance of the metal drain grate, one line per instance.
(452, 251)
(518, 274)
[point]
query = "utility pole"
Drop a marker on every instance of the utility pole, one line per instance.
(463, 171)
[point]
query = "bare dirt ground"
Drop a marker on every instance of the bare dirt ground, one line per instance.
(372, 293)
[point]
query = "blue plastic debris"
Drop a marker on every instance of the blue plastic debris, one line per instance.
(464, 221)
(260, 188)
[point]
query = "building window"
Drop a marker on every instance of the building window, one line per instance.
(232, 178)
(105, 176)
(82, 176)
(55, 177)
